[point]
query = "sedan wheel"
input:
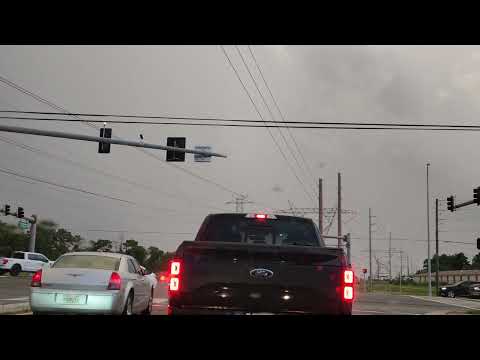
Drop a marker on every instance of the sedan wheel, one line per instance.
(128, 306)
(451, 294)
(148, 310)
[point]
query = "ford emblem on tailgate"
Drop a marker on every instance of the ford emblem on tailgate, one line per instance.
(261, 273)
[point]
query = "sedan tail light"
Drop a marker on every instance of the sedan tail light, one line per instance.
(4, 261)
(37, 279)
(115, 281)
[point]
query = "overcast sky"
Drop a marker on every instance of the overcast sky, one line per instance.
(384, 170)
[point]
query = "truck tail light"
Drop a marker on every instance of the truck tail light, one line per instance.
(348, 280)
(37, 279)
(348, 293)
(115, 281)
(175, 271)
(348, 276)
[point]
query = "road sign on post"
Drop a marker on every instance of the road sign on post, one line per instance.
(178, 142)
(23, 224)
(200, 157)
(364, 271)
(104, 148)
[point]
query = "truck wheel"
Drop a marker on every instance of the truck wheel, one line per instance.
(15, 270)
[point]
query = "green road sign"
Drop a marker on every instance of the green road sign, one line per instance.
(23, 224)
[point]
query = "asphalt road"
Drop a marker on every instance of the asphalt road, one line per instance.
(387, 304)
(16, 290)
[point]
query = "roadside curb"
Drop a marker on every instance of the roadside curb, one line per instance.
(14, 308)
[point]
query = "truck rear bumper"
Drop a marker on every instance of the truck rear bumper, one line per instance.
(346, 309)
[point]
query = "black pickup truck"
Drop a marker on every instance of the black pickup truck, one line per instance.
(259, 263)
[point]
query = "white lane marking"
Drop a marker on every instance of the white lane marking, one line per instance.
(16, 299)
(369, 311)
(28, 313)
(160, 301)
(444, 303)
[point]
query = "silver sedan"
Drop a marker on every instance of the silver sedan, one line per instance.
(92, 283)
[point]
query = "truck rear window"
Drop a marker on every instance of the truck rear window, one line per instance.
(88, 262)
(285, 230)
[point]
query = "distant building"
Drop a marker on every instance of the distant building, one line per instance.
(449, 277)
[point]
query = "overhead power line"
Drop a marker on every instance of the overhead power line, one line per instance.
(261, 117)
(218, 119)
(66, 112)
(98, 171)
(76, 189)
(289, 148)
(307, 167)
(8, 171)
(332, 126)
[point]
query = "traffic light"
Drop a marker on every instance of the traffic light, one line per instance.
(476, 195)
(104, 148)
(20, 213)
(178, 142)
(450, 203)
(7, 210)
(478, 243)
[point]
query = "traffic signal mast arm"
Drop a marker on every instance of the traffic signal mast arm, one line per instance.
(64, 135)
(476, 200)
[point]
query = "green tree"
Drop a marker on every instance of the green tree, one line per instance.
(137, 251)
(476, 262)
(12, 239)
(53, 242)
(154, 259)
(100, 245)
(448, 262)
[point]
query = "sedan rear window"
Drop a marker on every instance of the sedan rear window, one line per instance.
(88, 262)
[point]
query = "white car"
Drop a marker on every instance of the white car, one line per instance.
(151, 277)
(23, 261)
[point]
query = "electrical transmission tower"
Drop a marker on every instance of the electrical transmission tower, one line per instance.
(239, 201)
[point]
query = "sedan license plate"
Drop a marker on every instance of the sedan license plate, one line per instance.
(70, 299)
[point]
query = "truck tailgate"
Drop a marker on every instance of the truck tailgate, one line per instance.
(259, 278)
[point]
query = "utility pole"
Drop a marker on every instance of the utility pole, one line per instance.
(390, 256)
(437, 260)
(122, 239)
(428, 238)
(408, 266)
(370, 244)
(339, 211)
(401, 270)
(320, 207)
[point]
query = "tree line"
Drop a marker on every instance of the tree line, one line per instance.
(456, 261)
(53, 241)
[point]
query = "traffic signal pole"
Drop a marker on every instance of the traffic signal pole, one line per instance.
(437, 260)
(32, 221)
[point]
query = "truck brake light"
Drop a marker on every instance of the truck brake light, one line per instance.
(175, 270)
(348, 280)
(348, 293)
(348, 276)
